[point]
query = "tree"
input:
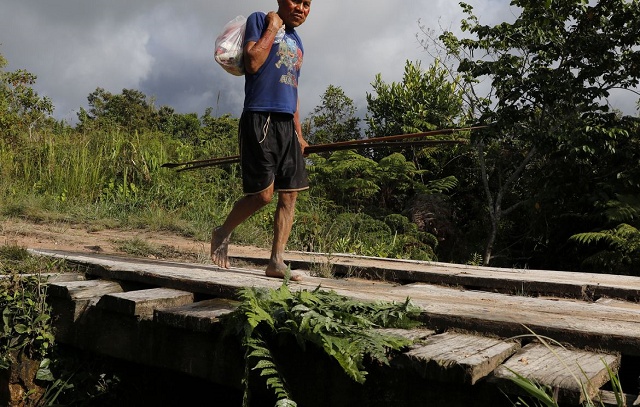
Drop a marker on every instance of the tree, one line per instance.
(424, 100)
(21, 108)
(550, 73)
(185, 127)
(129, 110)
(334, 119)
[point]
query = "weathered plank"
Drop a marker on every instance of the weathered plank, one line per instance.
(614, 303)
(199, 316)
(539, 282)
(608, 399)
(574, 374)
(506, 280)
(71, 299)
(577, 322)
(196, 278)
(83, 290)
(456, 357)
(416, 335)
(142, 303)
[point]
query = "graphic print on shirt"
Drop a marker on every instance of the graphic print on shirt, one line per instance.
(291, 57)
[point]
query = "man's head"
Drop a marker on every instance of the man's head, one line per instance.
(293, 12)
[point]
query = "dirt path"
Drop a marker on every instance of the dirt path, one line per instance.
(81, 239)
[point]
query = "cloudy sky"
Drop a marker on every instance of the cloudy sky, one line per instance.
(165, 48)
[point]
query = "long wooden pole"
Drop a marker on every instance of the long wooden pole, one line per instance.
(377, 142)
(236, 158)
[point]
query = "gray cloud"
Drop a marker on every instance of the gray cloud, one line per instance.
(165, 48)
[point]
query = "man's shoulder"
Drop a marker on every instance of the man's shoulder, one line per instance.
(257, 15)
(255, 24)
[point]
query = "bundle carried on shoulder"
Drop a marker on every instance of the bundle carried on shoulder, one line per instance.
(228, 52)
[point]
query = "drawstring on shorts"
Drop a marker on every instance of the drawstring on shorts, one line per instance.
(265, 129)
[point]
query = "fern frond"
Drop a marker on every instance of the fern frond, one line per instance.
(625, 209)
(267, 368)
(442, 185)
(592, 237)
(286, 403)
(341, 327)
(625, 231)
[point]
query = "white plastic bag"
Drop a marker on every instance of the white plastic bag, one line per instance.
(229, 43)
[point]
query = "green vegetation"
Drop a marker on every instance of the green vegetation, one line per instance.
(555, 152)
(61, 376)
(535, 189)
(26, 327)
(552, 183)
(26, 322)
(344, 329)
(106, 172)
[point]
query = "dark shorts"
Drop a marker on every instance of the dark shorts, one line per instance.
(270, 153)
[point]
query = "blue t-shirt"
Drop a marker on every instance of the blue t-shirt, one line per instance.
(274, 88)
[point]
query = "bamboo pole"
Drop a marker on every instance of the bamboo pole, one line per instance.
(378, 142)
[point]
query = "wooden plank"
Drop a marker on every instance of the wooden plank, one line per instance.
(83, 290)
(577, 322)
(566, 371)
(457, 357)
(199, 316)
(611, 302)
(142, 303)
(506, 280)
(416, 335)
(607, 398)
(197, 278)
(70, 301)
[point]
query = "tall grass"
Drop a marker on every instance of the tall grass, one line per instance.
(110, 174)
(113, 178)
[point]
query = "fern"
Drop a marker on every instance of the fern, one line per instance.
(606, 236)
(442, 185)
(625, 209)
(343, 328)
(621, 252)
(618, 248)
(265, 363)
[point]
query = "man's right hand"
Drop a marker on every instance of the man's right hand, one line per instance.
(273, 21)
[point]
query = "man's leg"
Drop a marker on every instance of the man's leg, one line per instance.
(242, 210)
(283, 221)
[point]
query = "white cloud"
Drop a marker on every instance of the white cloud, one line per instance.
(164, 48)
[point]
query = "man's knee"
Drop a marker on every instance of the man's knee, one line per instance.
(263, 198)
(287, 198)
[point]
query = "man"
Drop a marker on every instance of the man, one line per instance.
(271, 143)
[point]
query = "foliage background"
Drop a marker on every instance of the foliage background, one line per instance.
(552, 183)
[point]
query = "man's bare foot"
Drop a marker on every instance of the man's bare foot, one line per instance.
(219, 248)
(280, 271)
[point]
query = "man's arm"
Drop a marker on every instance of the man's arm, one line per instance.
(255, 53)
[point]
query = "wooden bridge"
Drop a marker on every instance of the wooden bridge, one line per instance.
(478, 326)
